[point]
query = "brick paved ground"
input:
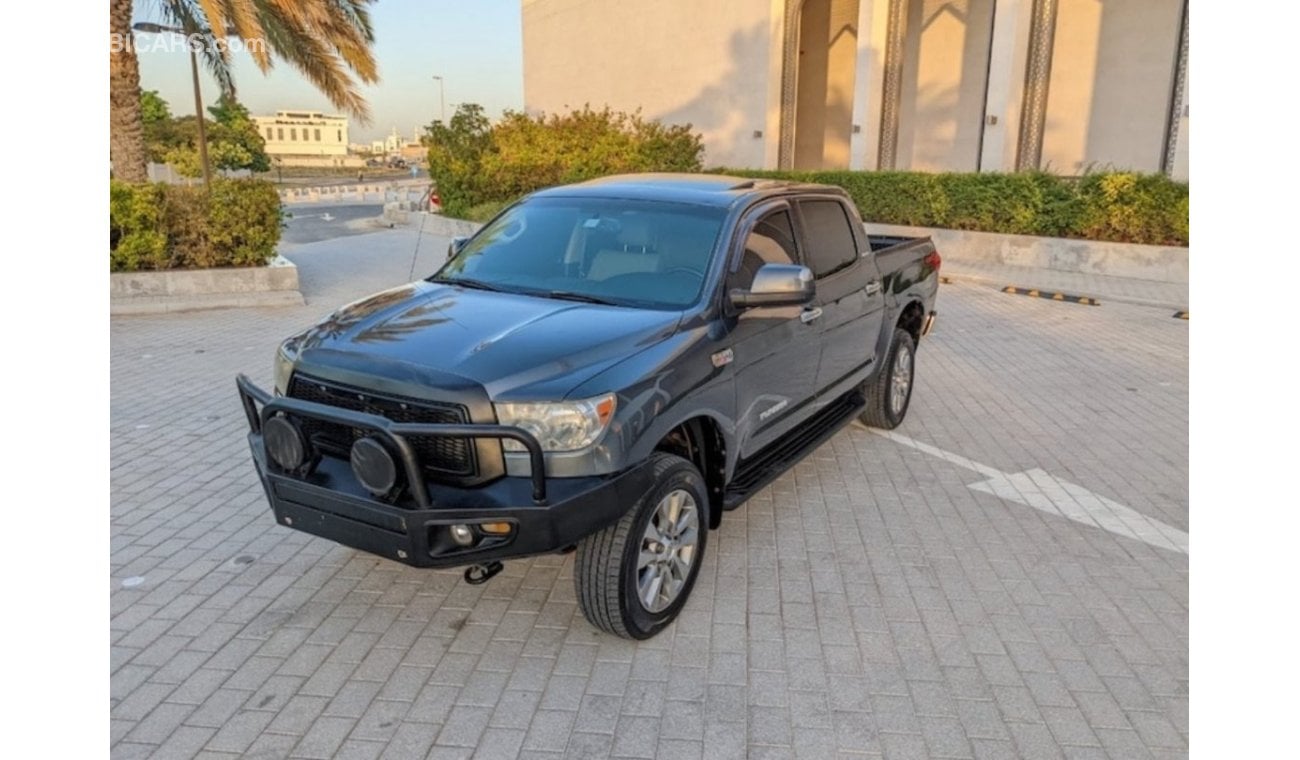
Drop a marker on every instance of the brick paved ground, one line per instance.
(867, 604)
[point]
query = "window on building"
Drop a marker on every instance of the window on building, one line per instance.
(293, 134)
(830, 237)
(279, 133)
(340, 137)
(317, 135)
(770, 242)
(268, 133)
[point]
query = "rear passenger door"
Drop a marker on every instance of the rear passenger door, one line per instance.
(848, 293)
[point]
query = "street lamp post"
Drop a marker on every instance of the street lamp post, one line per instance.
(198, 97)
(442, 101)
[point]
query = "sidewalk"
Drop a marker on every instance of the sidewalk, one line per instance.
(1167, 295)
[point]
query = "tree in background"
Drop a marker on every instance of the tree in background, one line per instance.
(327, 41)
(455, 156)
(233, 140)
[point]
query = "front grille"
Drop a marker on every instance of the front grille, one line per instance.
(439, 456)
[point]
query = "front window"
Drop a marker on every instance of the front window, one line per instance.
(647, 254)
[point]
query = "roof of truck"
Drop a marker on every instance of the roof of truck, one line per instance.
(704, 189)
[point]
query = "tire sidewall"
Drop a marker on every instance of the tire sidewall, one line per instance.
(901, 338)
(641, 623)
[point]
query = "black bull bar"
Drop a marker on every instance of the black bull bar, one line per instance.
(394, 433)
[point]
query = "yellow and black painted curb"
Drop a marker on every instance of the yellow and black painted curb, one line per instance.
(1180, 315)
(1051, 295)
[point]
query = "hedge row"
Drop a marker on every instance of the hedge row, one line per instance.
(158, 226)
(476, 163)
(1123, 207)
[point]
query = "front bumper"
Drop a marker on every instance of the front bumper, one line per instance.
(544, 514)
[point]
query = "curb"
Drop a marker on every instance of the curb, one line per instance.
(161, 292)
(144, 305)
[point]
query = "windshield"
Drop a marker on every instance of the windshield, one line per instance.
(648, 254)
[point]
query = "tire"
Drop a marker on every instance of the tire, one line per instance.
(608, 573)
(886, 408)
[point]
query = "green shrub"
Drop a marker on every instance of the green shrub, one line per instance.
(474, 162)
(135, 237)
(157, 226)
(244, 223)
(1129, 206)
(1115, 206)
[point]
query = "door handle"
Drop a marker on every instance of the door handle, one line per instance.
(808, 315)
(873, 287)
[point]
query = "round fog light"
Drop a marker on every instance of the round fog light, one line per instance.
(285, 443)
(374, 466)
(462, 535)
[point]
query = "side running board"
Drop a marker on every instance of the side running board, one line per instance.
(767, 465)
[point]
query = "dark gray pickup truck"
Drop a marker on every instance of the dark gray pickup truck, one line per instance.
(607, 366)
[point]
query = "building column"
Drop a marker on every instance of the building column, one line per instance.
(1174, 161)
(772, 137)
(789, 80)
(868, 96)
(1004, 92)
(892, 88)
(1038, 72)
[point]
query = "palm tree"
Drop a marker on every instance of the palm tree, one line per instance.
(327, 41)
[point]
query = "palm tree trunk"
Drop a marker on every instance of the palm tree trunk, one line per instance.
(125, 122)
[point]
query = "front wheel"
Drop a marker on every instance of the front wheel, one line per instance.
(633, 578)
(890, 392)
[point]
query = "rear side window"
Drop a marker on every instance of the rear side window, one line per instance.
(829, 235)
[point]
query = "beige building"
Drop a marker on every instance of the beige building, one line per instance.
(931, 85)
(306, 138)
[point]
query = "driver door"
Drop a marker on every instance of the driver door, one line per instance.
(776, 352)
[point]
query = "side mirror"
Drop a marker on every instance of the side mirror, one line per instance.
(776, 285)
(457, 243)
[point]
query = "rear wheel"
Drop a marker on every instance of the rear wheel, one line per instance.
(633, 578)
(890, 392)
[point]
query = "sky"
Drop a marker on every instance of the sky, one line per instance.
(475, 46)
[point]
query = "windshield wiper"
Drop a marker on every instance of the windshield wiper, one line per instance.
(469, 283)
(568, 295)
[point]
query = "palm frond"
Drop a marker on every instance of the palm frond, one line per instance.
(327, 41)
(317, 64)
(246, 24)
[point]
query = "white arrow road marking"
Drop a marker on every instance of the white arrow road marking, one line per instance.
(1048, 493)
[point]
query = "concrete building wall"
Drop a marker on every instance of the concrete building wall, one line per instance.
(706, 63)
(945, 69)
(1108, 99)
(806, 73)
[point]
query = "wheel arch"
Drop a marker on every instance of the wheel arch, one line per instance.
(700, 441)
(911, 319)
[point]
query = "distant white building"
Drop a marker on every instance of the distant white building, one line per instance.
(305, 138)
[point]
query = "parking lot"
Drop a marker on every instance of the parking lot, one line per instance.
(1006, 575)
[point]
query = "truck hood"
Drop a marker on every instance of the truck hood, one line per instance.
(515, 346)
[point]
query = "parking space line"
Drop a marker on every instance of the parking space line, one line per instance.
(1045, 492)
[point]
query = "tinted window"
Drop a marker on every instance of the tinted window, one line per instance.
(639, 253)
(770, 242)
(829, 237)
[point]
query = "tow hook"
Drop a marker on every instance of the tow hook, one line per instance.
(482, 573)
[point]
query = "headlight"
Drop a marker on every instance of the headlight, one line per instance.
(283, 368)
(558, 426)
